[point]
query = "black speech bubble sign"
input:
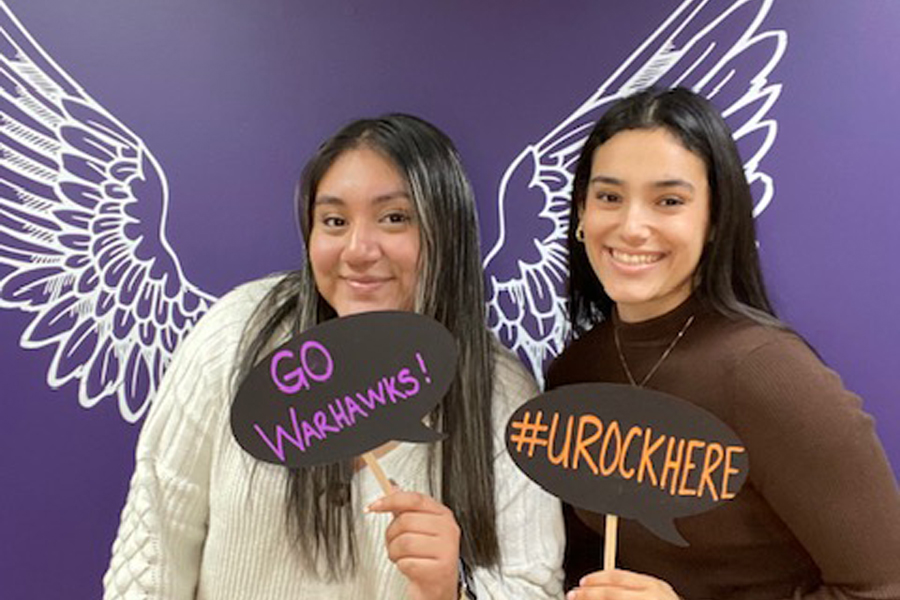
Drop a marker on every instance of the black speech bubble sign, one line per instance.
(632, 452)
(345, 387)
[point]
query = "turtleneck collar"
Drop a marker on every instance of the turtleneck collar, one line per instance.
(661, 328)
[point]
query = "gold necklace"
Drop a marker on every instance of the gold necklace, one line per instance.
(665, 354)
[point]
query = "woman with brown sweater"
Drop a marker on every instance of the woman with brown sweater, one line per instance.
(666, 292)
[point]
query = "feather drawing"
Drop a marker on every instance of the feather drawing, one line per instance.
(714, 47)
(83, 204)
(83, 248)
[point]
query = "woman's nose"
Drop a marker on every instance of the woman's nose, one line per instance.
(635, 226)
(362, 245)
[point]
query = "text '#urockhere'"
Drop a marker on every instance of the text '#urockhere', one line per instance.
(679, 466)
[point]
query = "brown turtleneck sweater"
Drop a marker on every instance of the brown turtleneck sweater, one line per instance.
(819, 515)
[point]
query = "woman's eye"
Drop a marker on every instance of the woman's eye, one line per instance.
(396, 218)
(608, 197)
(333, 221)
(671, 201)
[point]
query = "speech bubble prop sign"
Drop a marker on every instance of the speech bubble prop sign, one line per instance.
(345, 387)
(627, 451)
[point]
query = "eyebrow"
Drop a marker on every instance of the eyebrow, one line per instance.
(664, 183)
(335, 200)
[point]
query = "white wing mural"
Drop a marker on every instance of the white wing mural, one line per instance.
(83, 204)
(83, 246)
(715, 48)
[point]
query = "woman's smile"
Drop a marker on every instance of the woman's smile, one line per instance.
(635, 259)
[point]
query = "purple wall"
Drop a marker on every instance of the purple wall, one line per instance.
(232, 95)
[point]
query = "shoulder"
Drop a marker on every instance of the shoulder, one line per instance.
(780, 387)
(189, 405)
(739, 345)
(513, 384)
(230, 315)
(770, 359)
(211, 349)
(240, 304)
(197, 381)
(574, 363)
(764, 364)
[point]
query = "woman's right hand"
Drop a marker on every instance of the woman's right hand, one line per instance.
(423, 541)
(621, 585)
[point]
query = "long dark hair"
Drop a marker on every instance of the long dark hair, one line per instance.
(450, 290)
(729, 277)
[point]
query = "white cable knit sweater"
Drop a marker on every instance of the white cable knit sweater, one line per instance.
(196, 525)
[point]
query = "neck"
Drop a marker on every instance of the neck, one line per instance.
(638, 313)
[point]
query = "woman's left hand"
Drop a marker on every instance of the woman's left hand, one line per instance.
(621, 585)
(423, 541)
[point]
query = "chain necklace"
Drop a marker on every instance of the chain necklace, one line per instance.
(664, 356)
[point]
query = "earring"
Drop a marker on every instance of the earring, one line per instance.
(579, 233)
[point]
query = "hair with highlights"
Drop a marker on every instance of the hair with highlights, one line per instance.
(451, 290)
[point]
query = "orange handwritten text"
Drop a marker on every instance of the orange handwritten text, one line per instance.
(678, 466)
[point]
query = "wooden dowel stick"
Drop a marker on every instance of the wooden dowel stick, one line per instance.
(372, 463)
(609, 545)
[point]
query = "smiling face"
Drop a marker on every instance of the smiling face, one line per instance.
(364, 242)
(645, 219)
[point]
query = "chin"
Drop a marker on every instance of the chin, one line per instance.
(355, 308)
(626, 296)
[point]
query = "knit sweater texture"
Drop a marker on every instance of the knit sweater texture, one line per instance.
(205, 520)
(819, 515)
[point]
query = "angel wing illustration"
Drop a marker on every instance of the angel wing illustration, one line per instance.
(83, 248)
(83, 204)
(714, 47)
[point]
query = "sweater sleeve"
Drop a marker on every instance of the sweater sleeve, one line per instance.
(816, 458)
(529, 520)
(158, 549)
